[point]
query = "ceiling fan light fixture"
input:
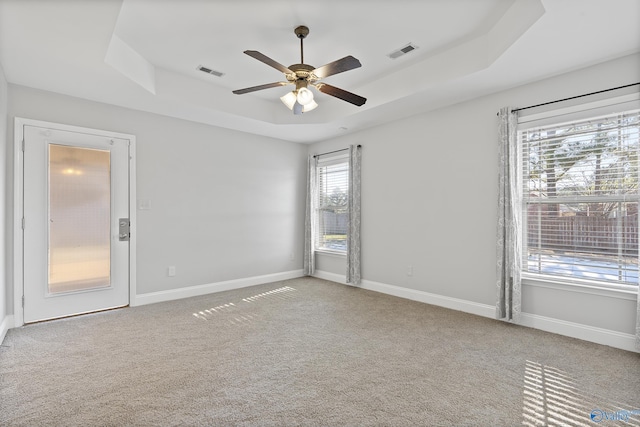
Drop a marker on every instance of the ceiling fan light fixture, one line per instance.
(291, 99)
(310, 106)
(305, 96)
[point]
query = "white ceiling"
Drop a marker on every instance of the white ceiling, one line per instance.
(143, 54)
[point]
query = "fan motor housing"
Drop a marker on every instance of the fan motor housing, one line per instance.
(301, 71)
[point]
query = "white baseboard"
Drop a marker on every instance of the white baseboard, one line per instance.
(584, 332)
(415, 295)
(193, 291)
(332, 277)
(478, 309)
(574, 330)
(7, 323)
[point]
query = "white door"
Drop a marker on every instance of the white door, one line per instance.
(76, 195)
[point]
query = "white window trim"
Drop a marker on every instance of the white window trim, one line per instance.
(329, 160)
(333, 253)
(627, 292)
(558, 117)
(333, 159)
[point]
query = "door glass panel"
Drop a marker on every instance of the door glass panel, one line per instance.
(79, 219)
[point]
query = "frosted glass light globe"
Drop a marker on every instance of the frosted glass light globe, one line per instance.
(305, 96)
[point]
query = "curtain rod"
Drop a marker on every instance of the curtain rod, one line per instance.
(574, 97)
(335, 151)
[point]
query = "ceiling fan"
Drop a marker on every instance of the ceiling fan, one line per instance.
(302, 75)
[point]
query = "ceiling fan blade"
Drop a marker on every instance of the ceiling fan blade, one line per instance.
(264, 58)
(341, 65)
(341, 94)
(255, 88)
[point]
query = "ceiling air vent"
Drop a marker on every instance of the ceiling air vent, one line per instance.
(210, 71)
(403, 51)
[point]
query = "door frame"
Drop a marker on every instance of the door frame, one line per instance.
(18, 207)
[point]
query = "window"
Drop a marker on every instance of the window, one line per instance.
(333, 211)
(580, 199)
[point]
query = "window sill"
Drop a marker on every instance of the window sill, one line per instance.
(626, 292)
(337, 254)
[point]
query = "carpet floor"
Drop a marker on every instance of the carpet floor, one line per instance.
(307, 352)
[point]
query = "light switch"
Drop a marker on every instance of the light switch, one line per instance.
(144, 204)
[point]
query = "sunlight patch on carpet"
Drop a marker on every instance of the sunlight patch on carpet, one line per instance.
(228, 312)
(281, 293)
(553, 398)
(235, 314)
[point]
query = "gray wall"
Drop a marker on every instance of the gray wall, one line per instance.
(227, 205)
(424, 177)
(224, 205)
(4, 161)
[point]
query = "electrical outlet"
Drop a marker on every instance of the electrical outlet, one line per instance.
(171, 271)
(292, 256)
(410, 270)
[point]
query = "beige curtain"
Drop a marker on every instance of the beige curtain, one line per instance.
(310, 220)
(353, 230)
(509, 251)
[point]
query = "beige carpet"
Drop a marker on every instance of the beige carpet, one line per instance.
(311, 353)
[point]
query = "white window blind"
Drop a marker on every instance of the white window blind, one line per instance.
(580, 192)
(333, 214)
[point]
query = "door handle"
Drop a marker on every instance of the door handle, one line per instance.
(124, 232)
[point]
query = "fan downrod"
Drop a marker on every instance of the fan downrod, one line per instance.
(301, 32)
